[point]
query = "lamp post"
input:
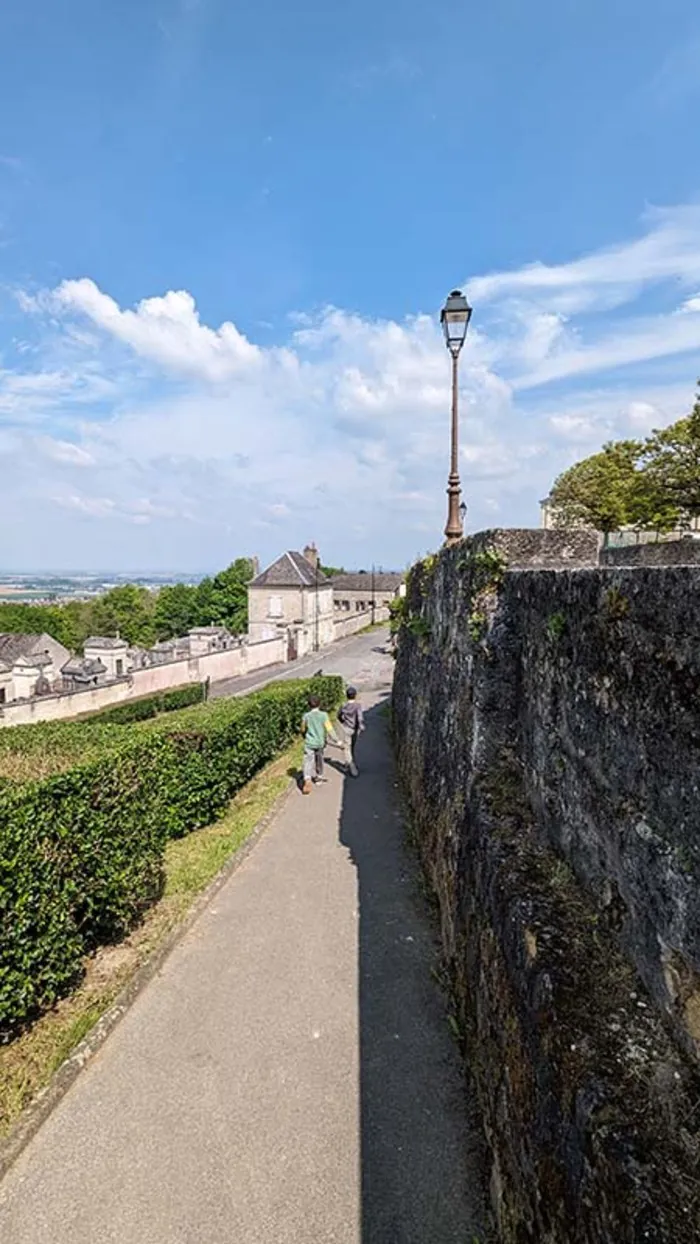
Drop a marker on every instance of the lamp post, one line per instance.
(455, 317)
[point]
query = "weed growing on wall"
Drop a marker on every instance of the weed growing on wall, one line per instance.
(485, 569)
(556, 626)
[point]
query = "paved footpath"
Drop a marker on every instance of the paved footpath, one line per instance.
(288, 1077)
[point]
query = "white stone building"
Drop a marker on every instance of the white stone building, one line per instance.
(292, 597)
(111, 651)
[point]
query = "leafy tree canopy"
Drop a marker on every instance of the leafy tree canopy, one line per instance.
(598, 491)
(653, 485)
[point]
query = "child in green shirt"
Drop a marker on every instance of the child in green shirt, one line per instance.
(316, 727)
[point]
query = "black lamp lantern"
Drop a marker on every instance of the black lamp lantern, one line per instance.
(455, 317)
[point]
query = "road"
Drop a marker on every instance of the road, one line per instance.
(361, 656)
(289, 1076)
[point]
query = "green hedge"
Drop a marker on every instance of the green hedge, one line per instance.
(152, 705)
(81, 852)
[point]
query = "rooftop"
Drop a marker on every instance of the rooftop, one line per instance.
(13, 646)
(384, 582)
(290, 570)
(105, 641)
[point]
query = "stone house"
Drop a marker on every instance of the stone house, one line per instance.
(356, 593)
(29, 665)
(292, 597)
(111, 650)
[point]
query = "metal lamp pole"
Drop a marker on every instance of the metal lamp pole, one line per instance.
(316, 619)
(455, 317)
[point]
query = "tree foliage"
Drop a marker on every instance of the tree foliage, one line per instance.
(129, 610)
(597, 492)
(653, 485)
(672, 464)
(139, 615)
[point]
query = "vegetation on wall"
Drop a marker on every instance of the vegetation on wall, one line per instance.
(83, 830)
(653, 485)
(141, 616)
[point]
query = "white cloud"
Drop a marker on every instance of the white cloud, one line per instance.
(669, 250)
(190, 443)
(95, 507)
(167, 330)
(66, 451)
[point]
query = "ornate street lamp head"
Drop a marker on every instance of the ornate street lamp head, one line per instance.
(455, 317)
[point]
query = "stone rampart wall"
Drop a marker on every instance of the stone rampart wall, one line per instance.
(548, 748)
(653, 553)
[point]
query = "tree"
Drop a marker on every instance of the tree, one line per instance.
(649, 508)
(598, 492)
(329, 571)
(128, 609)
(671, 467)
(223, 600)
(176, 610)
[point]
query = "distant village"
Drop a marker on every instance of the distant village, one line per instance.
(293, 610)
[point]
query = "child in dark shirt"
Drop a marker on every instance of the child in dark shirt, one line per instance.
(352, 723)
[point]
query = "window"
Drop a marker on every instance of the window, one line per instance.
(274, 608)
(2, 695)
(120, 668)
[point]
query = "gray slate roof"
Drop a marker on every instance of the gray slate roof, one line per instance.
(387, 582)
(83, 667)
(290, 570)
(105, 641)
(13, 646)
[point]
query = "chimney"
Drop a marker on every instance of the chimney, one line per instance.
(311, 555)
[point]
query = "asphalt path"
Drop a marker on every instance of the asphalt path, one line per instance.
(289, 1076)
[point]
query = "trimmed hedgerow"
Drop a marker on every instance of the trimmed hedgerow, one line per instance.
(81, 852)
(151, 705)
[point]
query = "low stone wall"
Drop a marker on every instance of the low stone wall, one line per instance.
(243, 659)
(659, 553)
(547, 745)
(354, 622)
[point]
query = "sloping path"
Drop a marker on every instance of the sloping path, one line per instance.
(289, 1077)
(351, 657)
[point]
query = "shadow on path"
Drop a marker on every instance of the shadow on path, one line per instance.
(422, 1169)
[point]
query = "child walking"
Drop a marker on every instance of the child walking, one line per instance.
(315, 727)
(352, 723)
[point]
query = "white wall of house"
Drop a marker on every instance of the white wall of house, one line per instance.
(6, 686)
(116, 660)
(25, 675)
(271, 610)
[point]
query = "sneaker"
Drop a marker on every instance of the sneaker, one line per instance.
(307, 787)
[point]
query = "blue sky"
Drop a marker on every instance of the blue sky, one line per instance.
(226, 231)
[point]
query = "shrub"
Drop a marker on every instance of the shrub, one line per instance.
(81, 851)
(151, 705)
